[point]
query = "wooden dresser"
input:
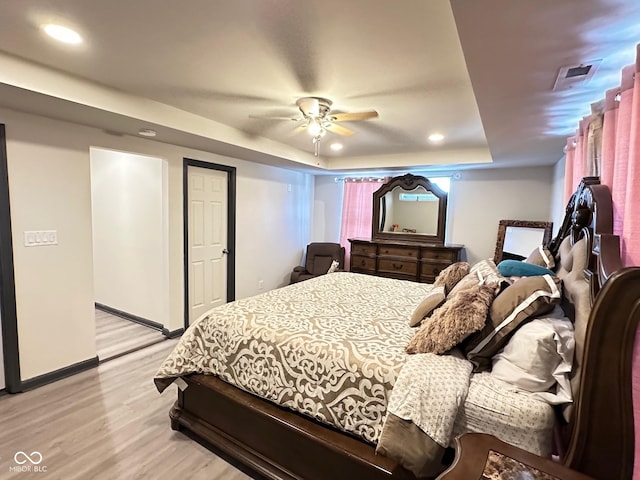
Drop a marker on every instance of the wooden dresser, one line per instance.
(418, 262)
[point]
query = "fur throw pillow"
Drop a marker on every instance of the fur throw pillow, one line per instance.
(450, 276)
(459, 317)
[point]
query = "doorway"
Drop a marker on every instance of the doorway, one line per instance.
(129, 206)
(10, 366)
(209, 236)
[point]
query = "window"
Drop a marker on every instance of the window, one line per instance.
(417, 197)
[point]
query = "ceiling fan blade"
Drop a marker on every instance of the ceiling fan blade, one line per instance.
(352, 117)
(339, 129)
(269, 117)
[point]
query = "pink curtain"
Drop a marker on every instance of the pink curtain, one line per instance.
(631, 221)
(610, 146)
(609, 125)
(621, 162)
(357, 212)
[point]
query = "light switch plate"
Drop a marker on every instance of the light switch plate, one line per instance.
(38, 238)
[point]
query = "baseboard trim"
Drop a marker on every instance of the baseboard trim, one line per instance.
(172, 333)
(131, 317)
(59, 374)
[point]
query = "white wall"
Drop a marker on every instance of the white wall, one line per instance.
(273, 227)
(49, 181)
(49, 188)
(477, 202)
(327, 208)
(481, 198)
(130, 233)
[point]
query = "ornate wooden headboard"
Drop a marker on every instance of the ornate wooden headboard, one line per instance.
(601, 435)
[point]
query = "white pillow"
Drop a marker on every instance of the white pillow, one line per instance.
(334, 267)
(538, 358)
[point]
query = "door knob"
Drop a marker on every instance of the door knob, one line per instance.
(225, 251)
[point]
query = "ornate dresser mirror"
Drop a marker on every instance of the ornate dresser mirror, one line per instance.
(518, 238)
(407, 232)
(409, 209)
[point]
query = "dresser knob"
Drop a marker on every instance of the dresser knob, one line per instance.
(362, 263)
(397, 267)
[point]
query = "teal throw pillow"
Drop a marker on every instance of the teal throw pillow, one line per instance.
(516, 268)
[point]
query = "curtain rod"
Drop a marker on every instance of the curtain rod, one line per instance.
(369, 178)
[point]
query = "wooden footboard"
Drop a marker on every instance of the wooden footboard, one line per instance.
(271, 441)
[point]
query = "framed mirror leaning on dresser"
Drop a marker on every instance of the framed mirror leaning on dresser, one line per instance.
(407, 232)
(518, 238)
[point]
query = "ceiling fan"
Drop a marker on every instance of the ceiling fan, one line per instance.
(317, 118)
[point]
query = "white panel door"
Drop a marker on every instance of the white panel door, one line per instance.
(207, 237)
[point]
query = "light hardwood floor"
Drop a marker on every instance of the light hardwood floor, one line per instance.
(116, 336)
(108, 423)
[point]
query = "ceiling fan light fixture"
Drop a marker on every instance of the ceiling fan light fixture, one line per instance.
(336, 147)
(314, 127)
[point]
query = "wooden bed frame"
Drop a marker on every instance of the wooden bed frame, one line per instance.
(275, 443)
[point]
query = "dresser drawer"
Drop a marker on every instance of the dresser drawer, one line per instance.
(395, 265)
(398, 251)
(363, 264)
(363, 249)
(440, 254)
(429, 270)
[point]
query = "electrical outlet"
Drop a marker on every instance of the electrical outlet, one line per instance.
(260, 284)
(37, 238)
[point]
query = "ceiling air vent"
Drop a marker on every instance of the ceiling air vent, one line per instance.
(574, 75)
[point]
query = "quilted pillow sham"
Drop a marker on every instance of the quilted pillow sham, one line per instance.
(525, 299)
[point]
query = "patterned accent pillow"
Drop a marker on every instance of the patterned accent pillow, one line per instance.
(335, 265)
(513, 307)
(450, 276)
(541, 256)
(428, 305)
(487, 271)
(460, 316)
(469, 281)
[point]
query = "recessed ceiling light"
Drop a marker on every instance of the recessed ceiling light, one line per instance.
(147, 132)
(436, 137)
(336, 147)
(62, 34)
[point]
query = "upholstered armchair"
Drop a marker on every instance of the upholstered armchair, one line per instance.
(320, 256)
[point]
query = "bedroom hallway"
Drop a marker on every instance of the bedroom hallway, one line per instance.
(116, 336)
(106, 423)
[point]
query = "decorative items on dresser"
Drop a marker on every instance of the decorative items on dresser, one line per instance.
(407, 232)
(419, 262)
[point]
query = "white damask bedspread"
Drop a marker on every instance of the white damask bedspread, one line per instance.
(330, 347)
